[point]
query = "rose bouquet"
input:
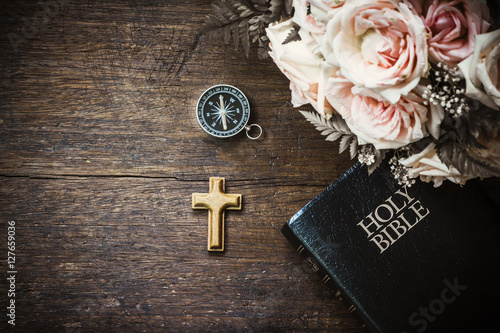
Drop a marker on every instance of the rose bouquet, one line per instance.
(417, 78)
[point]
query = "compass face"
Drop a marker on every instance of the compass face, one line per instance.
(223, 111)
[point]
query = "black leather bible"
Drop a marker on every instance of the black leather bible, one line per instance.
(405, 259)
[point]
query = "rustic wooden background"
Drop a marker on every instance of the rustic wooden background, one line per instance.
(100, 151)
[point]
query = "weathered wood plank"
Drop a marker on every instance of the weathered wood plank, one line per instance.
(105, 253)
(108, 89)
(100, 151)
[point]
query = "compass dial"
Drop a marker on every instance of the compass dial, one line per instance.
(223, 111)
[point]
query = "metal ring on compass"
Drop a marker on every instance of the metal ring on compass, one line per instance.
(249, 128)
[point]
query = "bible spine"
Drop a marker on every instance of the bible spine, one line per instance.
(323, 274)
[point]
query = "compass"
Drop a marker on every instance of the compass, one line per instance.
(223, 111)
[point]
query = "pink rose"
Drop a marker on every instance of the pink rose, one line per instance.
(481, 71)
(373, 120)
(452, 26)
(303, 65)
(380, 45)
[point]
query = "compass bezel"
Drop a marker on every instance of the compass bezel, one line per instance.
(212, 127)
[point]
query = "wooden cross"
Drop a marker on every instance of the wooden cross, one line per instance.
(216, 201)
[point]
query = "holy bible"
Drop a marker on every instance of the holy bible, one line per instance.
(405, 259)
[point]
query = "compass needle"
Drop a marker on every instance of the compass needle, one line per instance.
(224, 111)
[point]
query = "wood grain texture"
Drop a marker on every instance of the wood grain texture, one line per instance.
(129, 254)
(100, 152)
(107, 89)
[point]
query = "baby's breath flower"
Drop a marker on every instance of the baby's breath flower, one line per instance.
(366, 154)
(400, 172)
(447, 91)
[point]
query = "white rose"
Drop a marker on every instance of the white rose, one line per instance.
(429, 167)
(481, 70)
(303, 65)
(313, 15)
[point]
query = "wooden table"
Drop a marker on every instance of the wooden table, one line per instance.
(100, 151)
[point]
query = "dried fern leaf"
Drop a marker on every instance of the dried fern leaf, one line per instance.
(245, 21)
(334, 128)
(344, 143)
(293, 35)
